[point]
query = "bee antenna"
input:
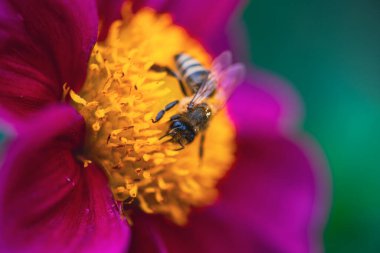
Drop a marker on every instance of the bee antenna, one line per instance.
(168, 140)
(164, 136)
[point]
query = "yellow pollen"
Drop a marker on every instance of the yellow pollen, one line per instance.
(120, 98)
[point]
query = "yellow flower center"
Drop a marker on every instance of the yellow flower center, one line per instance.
(118, 101)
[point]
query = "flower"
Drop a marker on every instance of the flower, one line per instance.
(49, 201)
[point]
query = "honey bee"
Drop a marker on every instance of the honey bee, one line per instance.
(211, 88)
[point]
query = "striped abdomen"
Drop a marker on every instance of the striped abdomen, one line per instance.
(191, 71)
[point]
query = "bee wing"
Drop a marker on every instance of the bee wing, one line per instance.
(221, 62)
(229, 80)
(205, 90)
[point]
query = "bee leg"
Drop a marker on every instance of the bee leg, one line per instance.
(164, 137)
(161, 113)
(201, 146)
(158, 68)
(182, 146)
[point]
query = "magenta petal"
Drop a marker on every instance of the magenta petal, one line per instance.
(205, 20)
(43, 44)
(265, 104)
(278, 188)
(271, 202)
(206, 233)
(48, 201)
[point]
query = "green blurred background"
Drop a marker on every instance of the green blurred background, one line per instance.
(330, 52)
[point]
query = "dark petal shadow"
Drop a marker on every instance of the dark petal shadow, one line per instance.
(43, 44)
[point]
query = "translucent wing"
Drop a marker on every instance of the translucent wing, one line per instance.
(223, 78)
(205, 90)
(221, 62)
(229, 80)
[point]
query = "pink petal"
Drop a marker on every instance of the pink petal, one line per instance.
(265, 104)
(43, 44)
(48, 201)
(205, 20)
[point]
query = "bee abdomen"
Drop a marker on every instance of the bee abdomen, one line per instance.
(191, 70)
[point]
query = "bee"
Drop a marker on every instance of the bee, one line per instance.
(210, 88)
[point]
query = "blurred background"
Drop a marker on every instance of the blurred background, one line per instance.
(330, 51)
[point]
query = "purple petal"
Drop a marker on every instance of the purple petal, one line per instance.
(205, 20)
(48, 201)
(43, 44)
(265, 104)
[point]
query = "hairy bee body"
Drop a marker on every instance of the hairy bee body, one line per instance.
(220, 80)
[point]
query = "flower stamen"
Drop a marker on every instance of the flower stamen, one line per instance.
(120, 98)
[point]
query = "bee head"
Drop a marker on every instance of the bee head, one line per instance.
(181, 132)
